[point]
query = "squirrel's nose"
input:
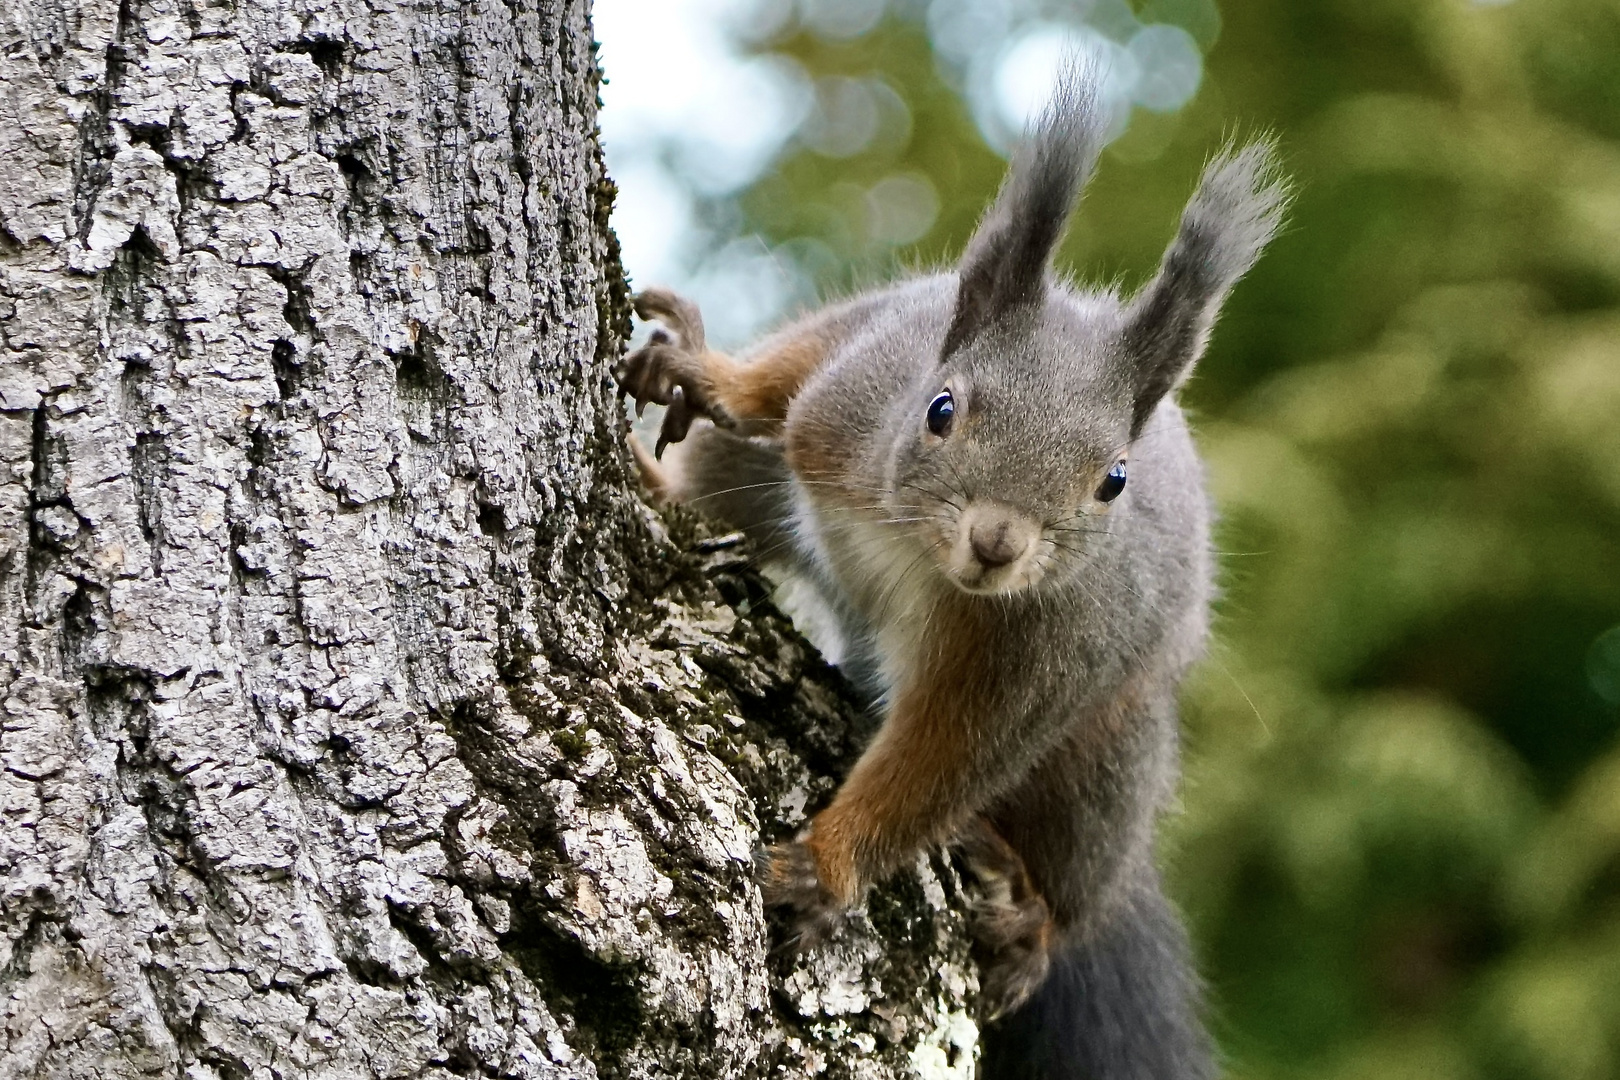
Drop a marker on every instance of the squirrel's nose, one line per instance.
(995, 543)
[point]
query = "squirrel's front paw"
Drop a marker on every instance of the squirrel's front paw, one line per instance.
(671, 369)
(789, 880)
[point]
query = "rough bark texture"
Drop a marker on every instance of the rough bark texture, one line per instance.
(356, 718)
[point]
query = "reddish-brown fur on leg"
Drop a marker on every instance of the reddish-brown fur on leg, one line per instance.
(762, 388)
(913, 786)
(675, 368)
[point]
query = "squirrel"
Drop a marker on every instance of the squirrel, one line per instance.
(946, 459)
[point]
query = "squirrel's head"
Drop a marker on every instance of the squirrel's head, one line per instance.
(1017, 446)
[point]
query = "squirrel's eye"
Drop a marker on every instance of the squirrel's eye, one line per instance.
(941, 411)
(1112, 484)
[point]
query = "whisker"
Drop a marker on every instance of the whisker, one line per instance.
(832, 528)
(1239, 686)
(782, 483)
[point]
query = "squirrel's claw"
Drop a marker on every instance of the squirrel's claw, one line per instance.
(790, 884)
(669, 369)
(646, 373)
(677, 421)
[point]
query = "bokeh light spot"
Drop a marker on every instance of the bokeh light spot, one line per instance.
(845, 118)
(1028, 69)
(841, 19)
(900, 209)
(1200, 18)
(1603, 665)
(1170, 64)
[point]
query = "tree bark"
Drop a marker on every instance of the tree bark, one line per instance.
(356, 717)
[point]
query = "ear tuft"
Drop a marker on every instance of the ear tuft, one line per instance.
(1237, 209)
(1004, 267)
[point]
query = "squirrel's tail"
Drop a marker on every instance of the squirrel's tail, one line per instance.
(1122, 1004)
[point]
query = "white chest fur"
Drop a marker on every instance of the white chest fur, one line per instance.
(879, 572)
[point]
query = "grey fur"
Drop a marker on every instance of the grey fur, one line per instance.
(1237, 209)
(1092, 632)
(1120, 1005)
(1004, 268)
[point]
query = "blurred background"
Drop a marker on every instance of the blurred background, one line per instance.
(1400, 845)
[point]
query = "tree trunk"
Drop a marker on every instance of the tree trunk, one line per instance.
(356, 717)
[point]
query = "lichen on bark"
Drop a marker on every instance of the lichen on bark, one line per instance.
(356, 716)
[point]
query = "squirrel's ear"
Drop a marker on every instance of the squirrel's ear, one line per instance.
(1236, 211)
(1004, 267)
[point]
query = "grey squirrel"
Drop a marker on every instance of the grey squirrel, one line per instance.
(987, 475)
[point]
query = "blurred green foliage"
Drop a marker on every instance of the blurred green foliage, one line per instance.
(1400, 850)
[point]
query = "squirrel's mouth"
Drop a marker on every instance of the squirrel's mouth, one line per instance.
(1002, 581)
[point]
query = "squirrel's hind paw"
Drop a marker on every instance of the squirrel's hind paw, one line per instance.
(1012, 924)
(790, 884)
(1012, 944)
